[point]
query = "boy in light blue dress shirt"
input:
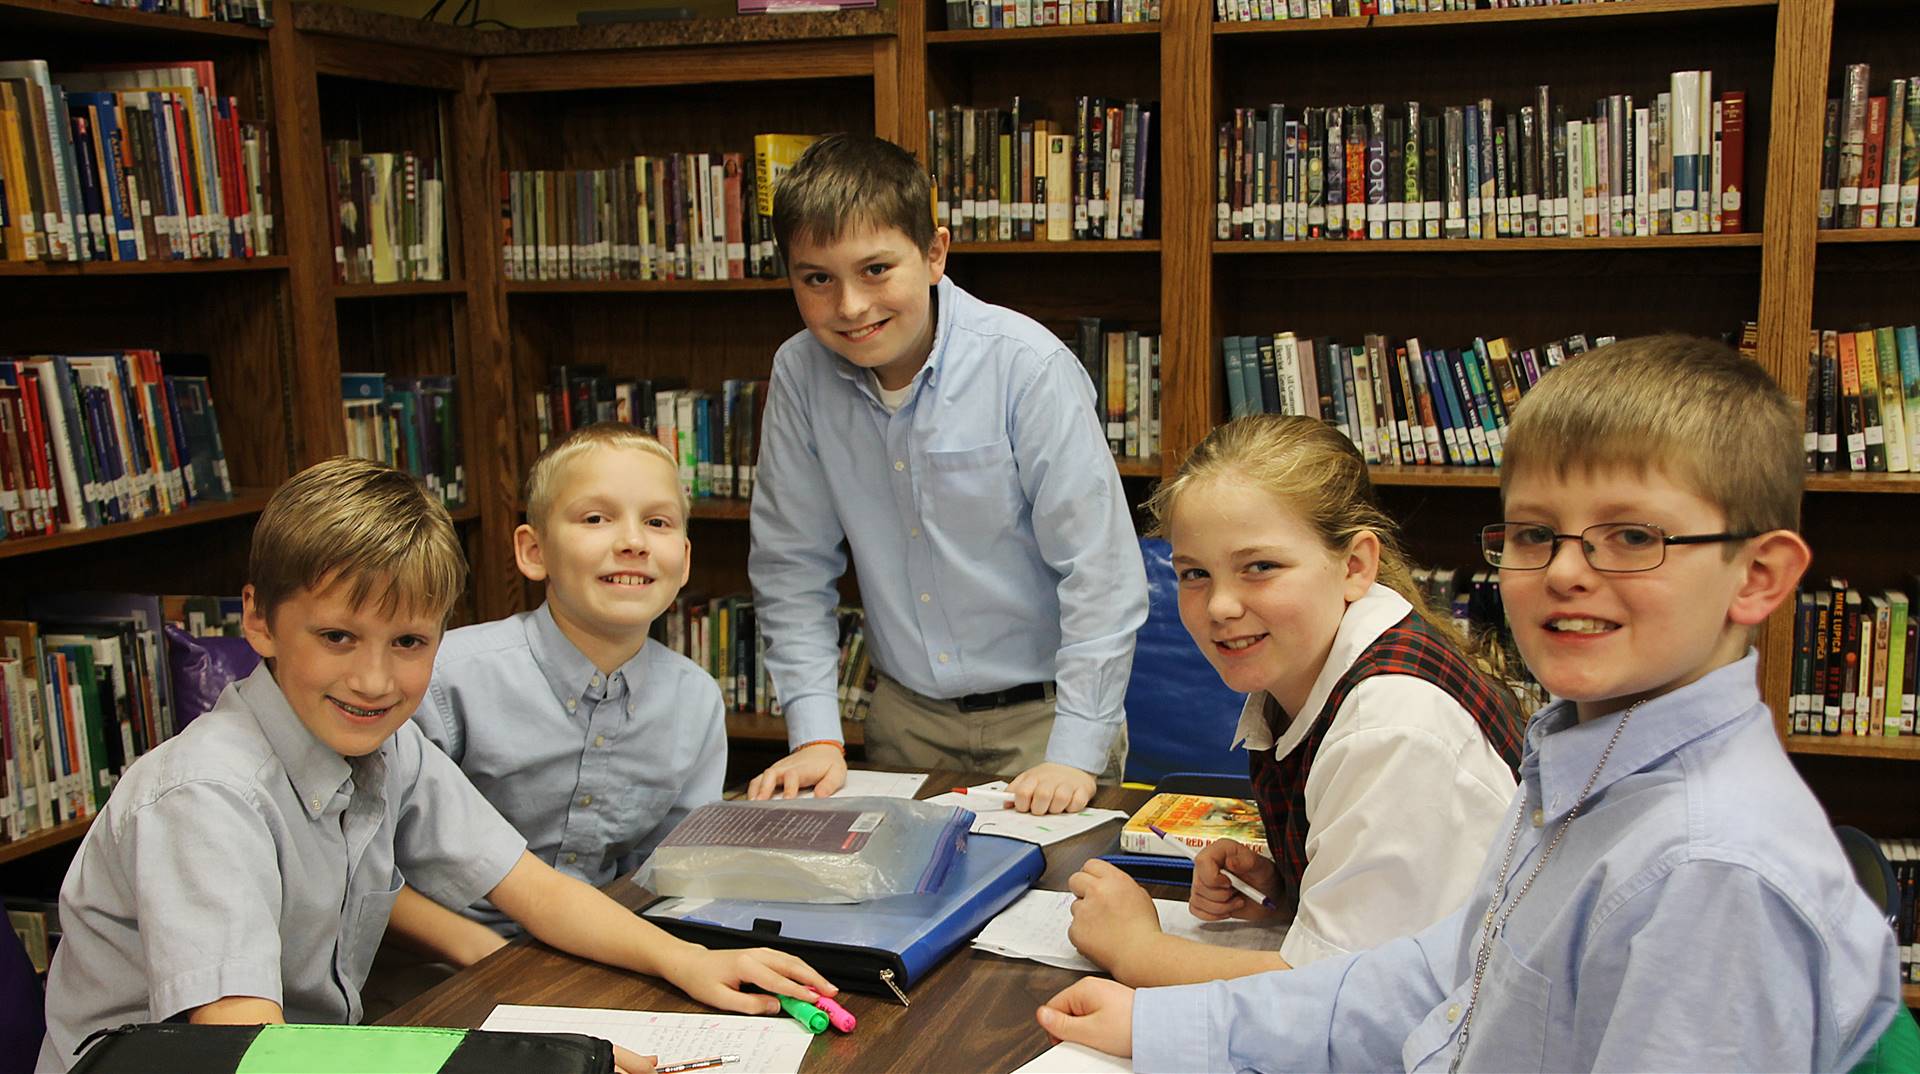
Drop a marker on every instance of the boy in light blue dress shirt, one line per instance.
(1668, 895)
(591, 739)
(952, 447)
(244, 871)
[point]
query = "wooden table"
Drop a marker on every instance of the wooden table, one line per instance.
(974, 1012)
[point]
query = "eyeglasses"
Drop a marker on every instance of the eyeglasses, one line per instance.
(1615, 547)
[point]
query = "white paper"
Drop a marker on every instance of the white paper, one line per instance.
(1064, 1058)
(1035, 927)
(868, 784)
(770, 1045)
(1044, 830)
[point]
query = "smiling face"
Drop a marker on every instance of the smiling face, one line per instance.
(612, 549)
(1259, 590)
(352, 674)
(1605, 640)
(865, 296)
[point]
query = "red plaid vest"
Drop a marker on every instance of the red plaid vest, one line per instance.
(1409, 647)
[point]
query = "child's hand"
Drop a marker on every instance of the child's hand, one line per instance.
(1051, 788)
(1114, 922)
(1214, 899)
(625, 1062)
(1092, 1011)
(715, 978)
(819, 765)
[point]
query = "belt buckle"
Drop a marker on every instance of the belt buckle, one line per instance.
(979, 702)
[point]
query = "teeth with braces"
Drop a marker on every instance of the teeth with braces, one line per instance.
(357, 710)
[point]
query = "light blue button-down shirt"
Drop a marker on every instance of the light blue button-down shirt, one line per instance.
(986, 520)
(1697, 916)
(593, 769)
(245, 858)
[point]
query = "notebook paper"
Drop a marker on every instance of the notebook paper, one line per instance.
(1036, 928)
(1042, 830)
(1064, 1058)
(770, 1045)
(862, 783)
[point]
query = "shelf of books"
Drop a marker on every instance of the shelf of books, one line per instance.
(78, 16)
(245, 502)
(1332, 16)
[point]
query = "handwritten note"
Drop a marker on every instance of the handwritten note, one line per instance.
(1044, 830)
(1035, 928)
(1067, 1058)
(868, 784)
(765, 1045)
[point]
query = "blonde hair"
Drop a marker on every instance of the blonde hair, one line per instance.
(543, 480)
(368, 525)
(1315, 470)
(1692, 408)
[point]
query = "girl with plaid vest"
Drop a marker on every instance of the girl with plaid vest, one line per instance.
(1382, 751)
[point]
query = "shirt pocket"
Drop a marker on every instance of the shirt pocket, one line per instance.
(642, 809)
(1513, 1015)
(974, 492)
(369, 924)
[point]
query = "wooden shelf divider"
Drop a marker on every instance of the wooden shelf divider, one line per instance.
(762, 727)
(399, 290)
(1077, 246)
(121, 269)
(608, 287)
(1467, 20)
(1484, 246)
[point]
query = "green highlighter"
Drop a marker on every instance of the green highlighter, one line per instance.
(805, 1013)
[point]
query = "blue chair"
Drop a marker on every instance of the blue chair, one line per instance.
(1180, 716)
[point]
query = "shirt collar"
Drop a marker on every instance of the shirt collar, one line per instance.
(1561, 751)
(569, 674)
(1377, 610)
(945, 293)
(316, 771)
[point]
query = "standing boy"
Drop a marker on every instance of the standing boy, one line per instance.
(952, 447)
(592, 740)
(1668, 895)
(244, 870)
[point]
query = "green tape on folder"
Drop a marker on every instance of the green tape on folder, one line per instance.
(178, 1048)
(301, 1049)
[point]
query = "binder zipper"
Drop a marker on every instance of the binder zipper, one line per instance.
(886, 978)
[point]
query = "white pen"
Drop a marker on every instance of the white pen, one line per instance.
(1239, 885)
(1004, 799)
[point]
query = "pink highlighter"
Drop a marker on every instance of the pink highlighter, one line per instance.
(841, 1018)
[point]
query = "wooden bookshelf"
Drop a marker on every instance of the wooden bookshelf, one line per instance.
(1904, 748)
(122, 269)
(246, 501)
(715, 509)
(1839, 236)
(44, 839)
(761, 727)
(1483, 246)
(1130, 467)
(1664, 11)
(74, 16)
(399, 290)
(641, 287)
(1027, 34)
(1079, 246)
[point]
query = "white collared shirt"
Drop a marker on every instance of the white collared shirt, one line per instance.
(1402, 798)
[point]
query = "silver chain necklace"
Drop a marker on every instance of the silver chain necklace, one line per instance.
(1492, 926)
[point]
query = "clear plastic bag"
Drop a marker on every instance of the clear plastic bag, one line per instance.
(818, 850)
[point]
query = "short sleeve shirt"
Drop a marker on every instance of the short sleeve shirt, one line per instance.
(246, 858)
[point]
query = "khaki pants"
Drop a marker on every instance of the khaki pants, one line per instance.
(909, 730)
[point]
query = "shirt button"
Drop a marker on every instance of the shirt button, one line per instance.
(599, 740)
(596, 680)
(570, 705)
(586, 799)
(914, 532)
(925, 597)
(316, 803)
(1453, 1013)
(1539, 818)
(571, 858)
(943, 658)
(899, 465)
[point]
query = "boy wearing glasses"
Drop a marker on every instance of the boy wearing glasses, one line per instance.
(1668, 894)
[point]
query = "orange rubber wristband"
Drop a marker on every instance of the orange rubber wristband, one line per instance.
(836, 744)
